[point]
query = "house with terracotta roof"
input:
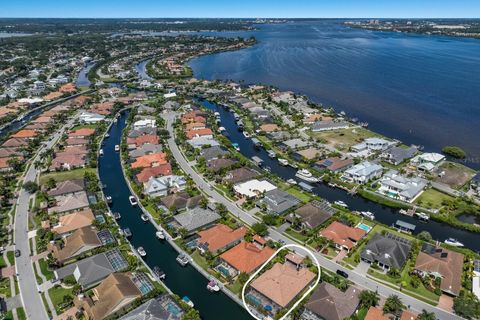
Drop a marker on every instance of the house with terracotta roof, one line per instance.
(269, 127)
(76, 142)
(4, 163)
(15, 143)
(437, 262)
(67, 88)
(307, 154)
(70, 202)
(10, 152)
(375, 313)
(150, 160)
(192, 134)
(247, 256)
(160, 170)
(112, 294)
(136, 142)
(334, 164)
(219, 237)
(344, 237)
(24, 134)
(81, 241)
(81, 133)
(195, 126)
(73, 221)
(68, 161)
(282, 284)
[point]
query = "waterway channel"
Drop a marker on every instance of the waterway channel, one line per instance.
(181, 280)
(383, 214)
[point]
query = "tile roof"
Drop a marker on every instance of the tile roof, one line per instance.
(329, 303)
(220, 236)
(82, 132)
(198, 133)
(25, 133)
(196, 218)
(282, 283)
(74, 221)
(80, 241)
(68, 186)
(246, 256)
(150, 160)
(375, 314)
(343, 235)
(15, 142)
(141, 140)
(181, 200)
(160, 170)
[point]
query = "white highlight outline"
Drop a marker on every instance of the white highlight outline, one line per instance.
(270, 259)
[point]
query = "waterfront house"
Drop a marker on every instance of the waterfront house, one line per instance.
(114, 293)
(437, 262)
(240, 175)
(204, 141)
(145, 123)
(159, 308)
(217, 165)
(73, 221)
(282, 283)
(293, 144)
(269, 127)
(136, 142)
(81, 133)
(219, 237)
(312, 214)
(253, 188)
(150, 160)
(68, 161)
(160, 170)
(180, 201)
(344, 237)
(195, 219)
(334, 164)
(161, 186)
(213, 153)
(76, 142)
(89, 117)
(145, 149)
(193, 134)
(396, 155)
(141, 132)
(306, 154)
(399, 187)
(363, 172)
(66, 187)
(372, 145)
(81, 241)
(326, 125)
(24, 134)
(90, 271)
(427, 161)
(278, 201)
(247, 256)
(329, 303)
(70, 202)
(387, 251)
(279, 135)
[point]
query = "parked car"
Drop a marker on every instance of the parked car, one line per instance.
(17, 253)
(342, 273)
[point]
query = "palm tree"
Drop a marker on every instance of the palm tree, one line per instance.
(425, 315)
(393, 305)
(369, 298)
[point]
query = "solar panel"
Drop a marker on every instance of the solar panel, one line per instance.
(116, 259)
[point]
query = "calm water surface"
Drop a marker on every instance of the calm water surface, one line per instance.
(420, 89)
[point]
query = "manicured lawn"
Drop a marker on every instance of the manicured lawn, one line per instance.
(11, 257)
(56, 295)
(236, 287)
(201, 261)
(303, 196)
(5, 287)
(21, 314)
(44, 269)
(3, 264)
(343, 139)
(65, 175)
(300, 237)
(432, 199)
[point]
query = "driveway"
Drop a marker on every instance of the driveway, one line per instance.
(362, 268)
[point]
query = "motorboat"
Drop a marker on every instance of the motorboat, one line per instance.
(127, 232)
(141, 251)
(107, 135)
(422, 216)
(117, 216)
(188, 301)
(367, 214)
(213, 286)
(133, 200)
(292, 181)
(272, 154)
(144, 217)
(341, 203)
(283, 162)
(109, 199)
(100, 152)
(159, 273)
(160, 235)
(306, 175)
(117, 147)
(246, 134)
(182, 259)
(453, 242)
(217, 114)
(221, 129)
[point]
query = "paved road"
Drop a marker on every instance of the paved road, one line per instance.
(358, 278)
(31, 298)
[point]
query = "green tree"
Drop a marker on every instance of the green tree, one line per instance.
(369, 298)
(30, 186)
(260, 228)
(243, 277)
(50, 184)
(425, 315)
(191, 314)
(393, 305)
(425, 236)
(467, 307)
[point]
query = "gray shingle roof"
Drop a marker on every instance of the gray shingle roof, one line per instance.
(387, 249)
(196, 218)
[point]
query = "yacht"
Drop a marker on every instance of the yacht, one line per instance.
(341, 203)
(213, 286)
(306, 175)
(272, 154)
(144, 217)
(292, 181)
(117, 147)
(100, 152)
(132, 200)
(188, 301)
(160, 235)
(117, 216)
(246, 134)
(367, 214)
(283, 162)
(127, 232)
(453, 242)
(182, 259)
(141, 251)
(159, 273)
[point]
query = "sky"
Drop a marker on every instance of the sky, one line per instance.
(241, 8)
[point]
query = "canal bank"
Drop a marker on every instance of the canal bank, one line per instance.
(181, 280)
(383, 214)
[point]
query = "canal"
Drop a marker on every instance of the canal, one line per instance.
(181, 280)
(82, 78)
(141, 70)
(383, 214)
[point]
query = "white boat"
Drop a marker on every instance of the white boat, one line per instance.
(117, 216)
(306, 175)
(188, 301)
(283, 162)
(213, 286)
(127, 232)
(341, 203)
(117, 147)
(160, 235)
(182, 259)
(422, 216)
(217, 114)
(109, 199)
(101, 152)
(453, 242)
(367, 214)
(246, 134)
(132, 200)
(272, 154)
(291, 181)
(144, 217)
(221, 129)
(107, 135)
(141, 251)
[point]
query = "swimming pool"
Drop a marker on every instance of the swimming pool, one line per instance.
(364, 226)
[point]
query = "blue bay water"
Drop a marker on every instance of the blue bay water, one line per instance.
(420, 89)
